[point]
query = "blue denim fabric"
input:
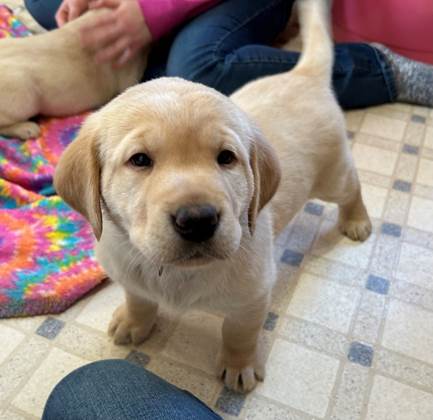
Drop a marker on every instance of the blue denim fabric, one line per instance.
(228, 46)
(119, 390)
(43, 11)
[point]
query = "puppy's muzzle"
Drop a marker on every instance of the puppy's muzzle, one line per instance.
(196, 223)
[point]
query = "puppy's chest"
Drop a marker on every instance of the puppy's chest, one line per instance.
(183, 289)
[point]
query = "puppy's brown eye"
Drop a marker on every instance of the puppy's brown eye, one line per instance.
(141, 160)
(226, 157)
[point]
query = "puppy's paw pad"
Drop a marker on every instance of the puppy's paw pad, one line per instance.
(126, 330)
(357, 230)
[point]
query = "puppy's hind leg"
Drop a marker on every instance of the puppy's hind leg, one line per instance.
(22, 130)
(353, 220)
(342, 186)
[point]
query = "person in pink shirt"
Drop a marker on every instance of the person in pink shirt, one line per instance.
(225, 44)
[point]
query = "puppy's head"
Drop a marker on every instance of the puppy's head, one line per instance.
(176, 166)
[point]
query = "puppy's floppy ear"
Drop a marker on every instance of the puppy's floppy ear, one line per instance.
(267, 174)
(77, 176)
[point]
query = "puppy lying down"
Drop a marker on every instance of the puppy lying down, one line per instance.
(50, 74)
(185, 189)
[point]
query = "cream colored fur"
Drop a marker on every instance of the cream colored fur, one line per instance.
(50, 74)
(295, 149)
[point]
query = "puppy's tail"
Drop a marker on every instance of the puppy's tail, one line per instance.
(317, 55)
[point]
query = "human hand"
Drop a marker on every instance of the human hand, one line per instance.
(70, 9)
(118, 35)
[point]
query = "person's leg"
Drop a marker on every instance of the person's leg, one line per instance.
(117, 389)
(226, 47)
(43, 11)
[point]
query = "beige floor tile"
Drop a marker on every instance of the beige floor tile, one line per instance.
(203, 387)
(348, 402)
(391, 400)
(397, 204)
(12, 415)
(35, 393)
(89, 345)
(402, 368)
(259, 408)
(354, 119)
(414, 134)
(406, 167)
(20, 365)
(313, 336)
(373, 178)
(324, 302)
(378, 142)
(196, 341)
(382, 126)
(425, 172)
(421, 214)
(374, 159)
(299, 377)
(420, 110)
(428, 140)
(409, 330)
(401, 107)
(423, 191)
(98, 311)
(27, 324)
(369, 317)
(416, 265)
(331, 244)
(165, 324)
(9, 339)
(332, 270)
(374, 199)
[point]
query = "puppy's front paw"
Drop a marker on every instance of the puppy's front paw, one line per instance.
(240, 377)
(125, 329)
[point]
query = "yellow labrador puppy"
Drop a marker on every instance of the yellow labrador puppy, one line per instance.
(185, 192)
(50, 74)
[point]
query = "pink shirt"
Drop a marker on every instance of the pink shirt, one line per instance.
(163, 15)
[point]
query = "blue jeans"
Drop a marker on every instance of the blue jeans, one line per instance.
(119, 390)
(228, 46)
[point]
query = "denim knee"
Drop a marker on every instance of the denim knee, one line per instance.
(206, 72)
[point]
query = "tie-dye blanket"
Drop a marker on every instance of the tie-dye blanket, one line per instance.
(46, 249)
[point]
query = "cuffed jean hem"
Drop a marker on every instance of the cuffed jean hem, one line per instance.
(388, 75)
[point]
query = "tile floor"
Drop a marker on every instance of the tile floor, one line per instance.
(350, 330)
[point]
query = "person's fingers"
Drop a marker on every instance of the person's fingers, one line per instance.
(129, 53)
(124, 57)
(74, 12)
(62, 14)
(101, 34)
(111, 4)
(113, 51)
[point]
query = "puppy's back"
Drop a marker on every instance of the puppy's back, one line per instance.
(64, 75)
(298, 113)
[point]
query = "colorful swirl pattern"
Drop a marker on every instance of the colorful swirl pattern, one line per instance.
(46, 249)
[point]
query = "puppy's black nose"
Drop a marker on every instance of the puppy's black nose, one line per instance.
(196, 223)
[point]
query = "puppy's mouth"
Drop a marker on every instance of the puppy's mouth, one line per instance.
(196, 258)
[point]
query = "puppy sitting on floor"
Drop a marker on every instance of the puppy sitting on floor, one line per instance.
(51, 74)
(185, 189)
